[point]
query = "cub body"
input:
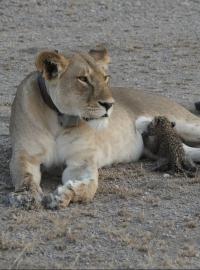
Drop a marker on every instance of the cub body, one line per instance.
(168, 145)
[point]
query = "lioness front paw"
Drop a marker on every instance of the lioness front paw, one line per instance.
(24, 199)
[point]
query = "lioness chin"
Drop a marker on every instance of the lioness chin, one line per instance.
(66, 113)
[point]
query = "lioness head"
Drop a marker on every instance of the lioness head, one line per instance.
(78, 84)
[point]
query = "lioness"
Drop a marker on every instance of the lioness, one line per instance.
(65, 112)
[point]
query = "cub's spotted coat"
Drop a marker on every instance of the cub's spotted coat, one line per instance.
(168, 146)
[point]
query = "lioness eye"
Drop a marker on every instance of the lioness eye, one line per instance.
(83, 79)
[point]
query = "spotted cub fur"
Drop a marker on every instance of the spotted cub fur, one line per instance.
(168, 146)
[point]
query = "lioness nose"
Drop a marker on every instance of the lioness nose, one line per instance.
(106, 105)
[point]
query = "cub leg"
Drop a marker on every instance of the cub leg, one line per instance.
(151, 146)
(162, 165)
(80, 182)
(148, 154)
(26, 176)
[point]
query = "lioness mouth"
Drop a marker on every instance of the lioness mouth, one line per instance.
(89, 119)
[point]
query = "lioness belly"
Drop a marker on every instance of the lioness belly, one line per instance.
(120, 150)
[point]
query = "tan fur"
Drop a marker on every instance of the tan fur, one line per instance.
(52, 57)
(37, 138)
(101, 56)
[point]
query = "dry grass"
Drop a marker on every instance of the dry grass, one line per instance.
(90, 214)
(60, 229)
(189, 251)
(16, 262)
(6, 243)
(168, 263)
(27, 219)
(127, 239)
(195, 180)
(153, 200)
(168, 224)
(129, 172)
(119, 235)
(143, 248)
(141, 216)
(120, 191)
(191, 224)
(124, 213)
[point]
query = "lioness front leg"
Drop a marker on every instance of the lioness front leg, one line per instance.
(80, 182)
(26, 176)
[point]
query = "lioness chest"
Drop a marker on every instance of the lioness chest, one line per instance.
(61, 147)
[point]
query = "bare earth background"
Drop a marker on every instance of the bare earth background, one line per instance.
(138, 219)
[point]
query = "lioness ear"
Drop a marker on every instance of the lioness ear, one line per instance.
(51, 64)
(100, 54)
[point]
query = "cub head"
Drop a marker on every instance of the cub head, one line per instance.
(158, 124)
(78, 84)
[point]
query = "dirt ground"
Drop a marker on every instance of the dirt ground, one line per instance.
(138, 219)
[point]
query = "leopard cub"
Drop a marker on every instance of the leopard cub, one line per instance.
(168, 148)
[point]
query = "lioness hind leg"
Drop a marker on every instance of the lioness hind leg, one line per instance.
(192, 153)
(189, 131)
(189, 165)
(26, 178)
(80, 183)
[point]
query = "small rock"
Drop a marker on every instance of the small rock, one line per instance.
(166, 175)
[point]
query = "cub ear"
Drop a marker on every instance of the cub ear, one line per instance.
(101, 56)
(51, 64)
(156, 121)
(173, 124)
